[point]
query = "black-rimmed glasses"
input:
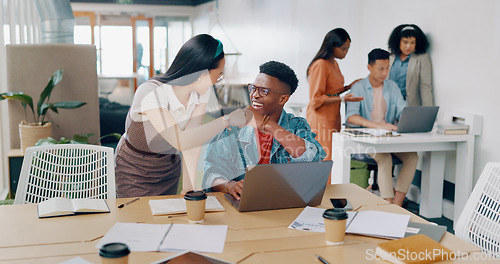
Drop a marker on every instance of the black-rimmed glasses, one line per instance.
(262, 91)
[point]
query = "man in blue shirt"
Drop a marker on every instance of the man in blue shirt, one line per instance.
(382, 106)
(272, 136)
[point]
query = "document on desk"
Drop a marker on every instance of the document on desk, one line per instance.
(168, 237)
(378, 224)
(76, 260)
(368, 223)
(370, 132)
(177, 206)
(310, 219)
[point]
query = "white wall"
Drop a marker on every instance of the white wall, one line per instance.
(464, 36)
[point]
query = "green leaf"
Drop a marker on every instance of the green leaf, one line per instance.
(84, 139)
(45, 107)
(64, 140)
(69, 104)
(53, 81)
(23, 98)
(46, 141)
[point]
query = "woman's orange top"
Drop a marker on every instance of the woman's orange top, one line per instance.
(325, 79)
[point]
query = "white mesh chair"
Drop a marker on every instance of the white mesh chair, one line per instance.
(479, 222)
(69, 170)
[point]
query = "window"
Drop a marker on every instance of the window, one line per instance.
(114, 39)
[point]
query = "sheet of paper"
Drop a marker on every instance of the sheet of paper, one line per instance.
(77, 260)
(137, 236)
(201, 238)
(55, 206)
(379, 132)
(375, 132)
(377, 223)
(310, 219)
(90, 205)
(175, 206)
(212, 260)
(168, 237)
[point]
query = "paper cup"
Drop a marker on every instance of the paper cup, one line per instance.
(114, 253)
(195, 205)
(335, 221)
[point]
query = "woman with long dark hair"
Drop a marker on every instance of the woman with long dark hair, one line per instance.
(165, 118)
(411, 66)
(326, 83)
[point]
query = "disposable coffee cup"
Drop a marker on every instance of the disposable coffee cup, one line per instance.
(335, 221)
(114, 253)
(195, 204)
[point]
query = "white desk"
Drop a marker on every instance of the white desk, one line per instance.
(434, 145)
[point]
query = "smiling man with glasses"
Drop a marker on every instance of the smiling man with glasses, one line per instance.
(272, 135)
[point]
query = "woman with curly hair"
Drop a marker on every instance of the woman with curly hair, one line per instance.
(411, 66)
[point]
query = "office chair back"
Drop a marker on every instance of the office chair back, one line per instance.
(479, 222)
(70, 170)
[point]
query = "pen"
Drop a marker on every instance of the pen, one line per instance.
(324, 261)
(171, 216)
(129, 202)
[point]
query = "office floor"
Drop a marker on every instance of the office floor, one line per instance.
(414, 208)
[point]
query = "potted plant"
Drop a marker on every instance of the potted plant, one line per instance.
(31, 132)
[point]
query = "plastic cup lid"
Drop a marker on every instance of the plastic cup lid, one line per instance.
(195, 195)
(335, 214)
(114, 250)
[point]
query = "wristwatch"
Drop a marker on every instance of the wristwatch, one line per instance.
(226, 120)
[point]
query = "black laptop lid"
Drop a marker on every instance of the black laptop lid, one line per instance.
(278, 186)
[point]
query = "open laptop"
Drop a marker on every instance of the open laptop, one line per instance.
(415, 119)
(278, 186)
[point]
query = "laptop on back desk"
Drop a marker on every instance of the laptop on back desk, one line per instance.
(417, 119)
(278, 186)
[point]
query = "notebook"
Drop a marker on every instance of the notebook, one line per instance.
(278, 186)
(416, 119)
(435, 232)
(413, 249)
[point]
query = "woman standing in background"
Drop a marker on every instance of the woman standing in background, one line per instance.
(326, 83)
(411, 66)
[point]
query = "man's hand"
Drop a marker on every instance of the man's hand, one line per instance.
(388, 126)
(235, 188)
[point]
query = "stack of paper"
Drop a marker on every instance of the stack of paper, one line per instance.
(177, 206)
(452, 128)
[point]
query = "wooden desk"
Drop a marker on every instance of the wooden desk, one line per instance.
(434, 145)
(252, 237)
